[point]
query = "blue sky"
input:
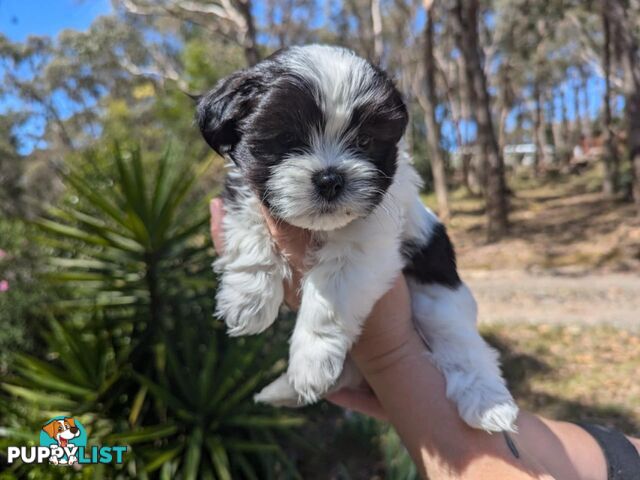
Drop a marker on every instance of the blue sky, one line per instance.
(21, 18)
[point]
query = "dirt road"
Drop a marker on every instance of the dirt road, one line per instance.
(506, 296)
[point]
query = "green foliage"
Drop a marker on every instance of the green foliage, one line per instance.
(398, 463)
(19, 295)
(134, 353)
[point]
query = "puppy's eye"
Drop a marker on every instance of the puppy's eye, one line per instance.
(364, 141)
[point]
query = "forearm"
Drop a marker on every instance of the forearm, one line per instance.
(412, 392)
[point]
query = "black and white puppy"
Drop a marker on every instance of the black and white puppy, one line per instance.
(314, 134)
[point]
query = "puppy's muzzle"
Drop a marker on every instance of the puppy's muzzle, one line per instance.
(329, 183)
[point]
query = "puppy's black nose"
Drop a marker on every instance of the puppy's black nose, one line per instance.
(329, 183)
(73, 430)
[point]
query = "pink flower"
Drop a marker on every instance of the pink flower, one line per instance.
(2, 254)
(4, 285)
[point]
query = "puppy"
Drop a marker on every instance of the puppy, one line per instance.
(62, 431)
(314, 135)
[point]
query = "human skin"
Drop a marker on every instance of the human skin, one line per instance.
(406, 389)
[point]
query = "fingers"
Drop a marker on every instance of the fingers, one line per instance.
(359, 400)
(217, 214)
(292, 241)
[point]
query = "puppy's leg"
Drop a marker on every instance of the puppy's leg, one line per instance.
(250, 291)
(354, 268)
(447, 318)
(445, 312)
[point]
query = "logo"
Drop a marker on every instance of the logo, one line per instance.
(63, 441)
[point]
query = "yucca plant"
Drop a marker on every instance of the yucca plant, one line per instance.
(135, 352)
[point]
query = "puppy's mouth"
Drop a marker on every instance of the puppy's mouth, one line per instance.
(63, 442)
(323, 219)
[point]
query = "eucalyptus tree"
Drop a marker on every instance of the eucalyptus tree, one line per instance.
(11, 165)
(232, 20)
(533, 46)
(610, 157)
(623, 17)
(465, 18)
(430, 103)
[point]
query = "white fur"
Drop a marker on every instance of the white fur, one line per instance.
(339, 75)
(358, 258)
(252, 272)
(295, 198)
(447, 319)
(351, 271)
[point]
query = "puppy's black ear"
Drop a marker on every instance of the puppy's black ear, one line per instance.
(221, 111)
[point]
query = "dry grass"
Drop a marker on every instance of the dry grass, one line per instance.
(573, 373)
(559, 224)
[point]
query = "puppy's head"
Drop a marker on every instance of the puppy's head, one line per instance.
(313, 129)
(62, 430)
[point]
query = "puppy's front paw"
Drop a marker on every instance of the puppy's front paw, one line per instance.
(279, 393)
(486, 404)
(249, 301)
(315, 368)
(72, 460)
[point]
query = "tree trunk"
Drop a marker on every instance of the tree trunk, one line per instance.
(502, 126)
(620, 22)
(436, 154)
(249, 43)
(587, 124)
(376, 27)
(540, 131)
(565, 130)
(465, 25)
(609, 155)
(578, 129)
(456, 106)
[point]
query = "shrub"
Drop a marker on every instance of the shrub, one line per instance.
(134, 353)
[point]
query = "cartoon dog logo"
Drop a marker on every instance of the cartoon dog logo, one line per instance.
(62, 431)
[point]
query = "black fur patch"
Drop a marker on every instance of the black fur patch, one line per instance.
(434, 262)
(234, 191)
(281, 125)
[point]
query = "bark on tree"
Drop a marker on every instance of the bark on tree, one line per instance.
(621, 23)
(229, 18)
(465, 27)
(609, 157)
(436, 154)
(249, 40)
(376, 27)
(456, 105)
(586, 123)
(540, 130)
(506, 100)
(578, 129)
(565, 130)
